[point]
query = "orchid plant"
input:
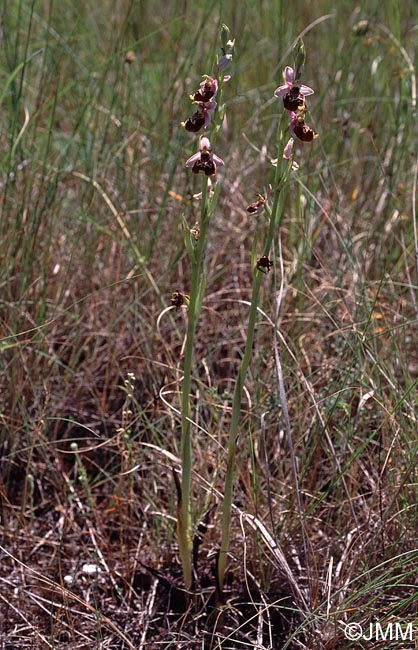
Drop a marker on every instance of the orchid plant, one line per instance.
(204, 160)
(207, 116)
(293, 95)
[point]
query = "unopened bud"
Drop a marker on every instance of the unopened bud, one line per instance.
(224, 62)
(224, 35)
(300, 56)
(228, 46)
(288, 150)
(361, 28)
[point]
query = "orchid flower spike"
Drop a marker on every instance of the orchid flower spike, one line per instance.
(204, 160)
(293, 95)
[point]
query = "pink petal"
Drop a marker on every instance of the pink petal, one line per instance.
(219, 162)
(204, 143)
(305, 90)
(281, 91)
(287, 151)
(289, 75)
(191, 161)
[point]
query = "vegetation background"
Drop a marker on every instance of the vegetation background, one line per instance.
(93, 191)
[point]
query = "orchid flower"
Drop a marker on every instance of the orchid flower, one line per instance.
(293, 95)
(257, 206)
(264, 264)
(299, 129)
(204, 160)
(201, 117)
(207, 92)
(195, 122)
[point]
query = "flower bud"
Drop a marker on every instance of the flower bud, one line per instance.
(288, 150)
(300, 57)
(224, 62)
(264, 264)
(228, 46)
(224, 35)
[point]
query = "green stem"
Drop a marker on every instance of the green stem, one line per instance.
(275, 217)
(184, 517)
(233, 432)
